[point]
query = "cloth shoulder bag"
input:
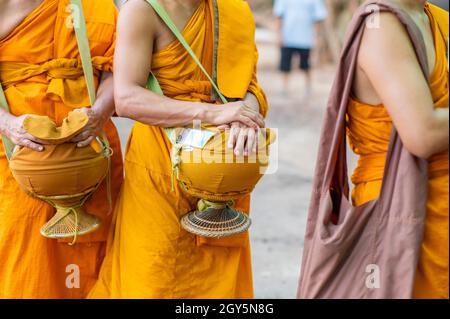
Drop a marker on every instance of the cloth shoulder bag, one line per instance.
(370, 251)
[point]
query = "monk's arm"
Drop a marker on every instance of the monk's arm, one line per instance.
(99, 113)
(389, 61)
(104, 104)
(137, 33)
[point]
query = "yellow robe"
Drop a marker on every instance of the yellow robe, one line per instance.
(41, 74)
(150, 255)
(369, 129)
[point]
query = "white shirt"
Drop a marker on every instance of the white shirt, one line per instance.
(299, 17)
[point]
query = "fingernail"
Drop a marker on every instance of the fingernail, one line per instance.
(236, 152)
(79, 145)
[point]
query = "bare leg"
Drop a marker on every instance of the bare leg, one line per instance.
(286, 78)
(308, 83)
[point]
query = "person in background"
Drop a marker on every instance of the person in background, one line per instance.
(299, 22)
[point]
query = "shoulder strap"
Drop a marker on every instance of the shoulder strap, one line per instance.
(83, 47)
(85, 54)
(171, 25)
(86, 61)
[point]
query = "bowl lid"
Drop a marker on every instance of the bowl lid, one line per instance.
(42, 127)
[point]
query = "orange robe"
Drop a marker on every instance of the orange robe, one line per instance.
(41, 74)
(150, 255)
(369, 129)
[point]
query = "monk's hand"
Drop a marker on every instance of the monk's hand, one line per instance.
(12, 127)
(243, 139)
(238, 112)
(95, 124)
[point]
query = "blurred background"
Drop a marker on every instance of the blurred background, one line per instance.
(280, 202)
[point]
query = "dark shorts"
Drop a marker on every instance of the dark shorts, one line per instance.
(288, 53)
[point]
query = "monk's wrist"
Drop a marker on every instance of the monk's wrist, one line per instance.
(5, 118)
(101, 114)
(252, 101)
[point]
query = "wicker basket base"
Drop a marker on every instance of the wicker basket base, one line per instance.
(66, 224)
(216, 222)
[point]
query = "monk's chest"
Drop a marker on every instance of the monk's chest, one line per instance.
(181, 16)
(13, 12)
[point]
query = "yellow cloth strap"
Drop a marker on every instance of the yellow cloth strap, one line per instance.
(86, 61)
(204, 204)
(83, 47)
(67, 211)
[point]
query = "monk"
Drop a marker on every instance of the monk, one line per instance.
(150, 255)
(389, 89)
(35, 35)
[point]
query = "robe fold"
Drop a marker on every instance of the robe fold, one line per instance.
(41, 73)
(369, 130)
(150, 255)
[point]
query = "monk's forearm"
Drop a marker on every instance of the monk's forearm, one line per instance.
(144, 106)
(430, 137)
(438, 134)
(5, 117)
(259, 95)
(104, 105)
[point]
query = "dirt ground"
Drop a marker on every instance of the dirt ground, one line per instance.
(280, 202)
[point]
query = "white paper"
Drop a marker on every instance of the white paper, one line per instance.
(195, 138)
